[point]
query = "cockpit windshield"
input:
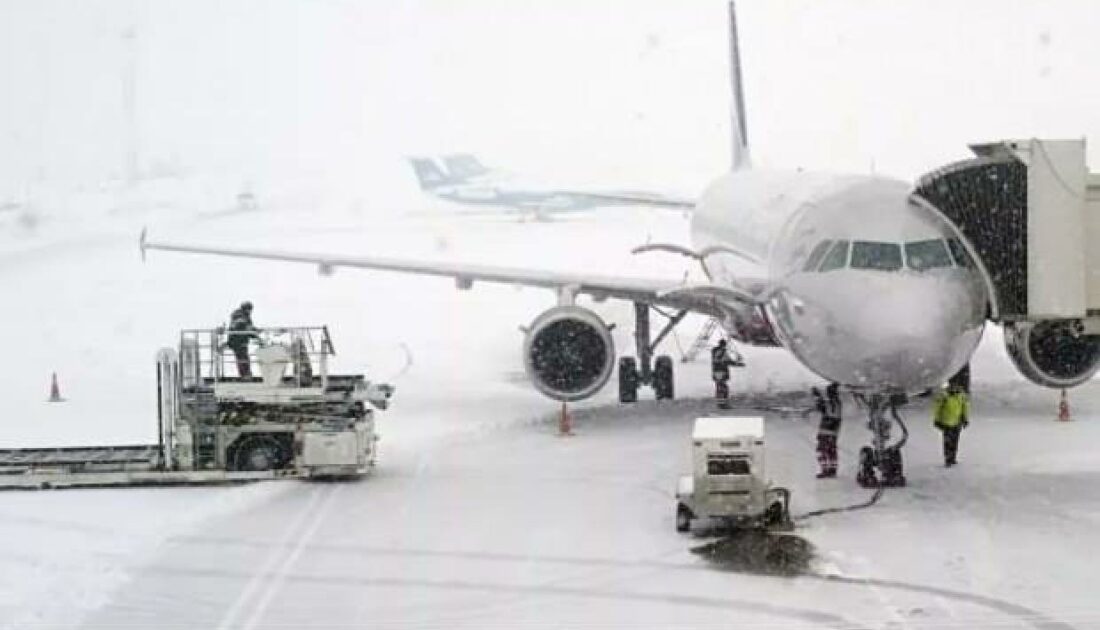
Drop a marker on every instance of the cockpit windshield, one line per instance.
(872, 255)
(962, 259)
(837, 258)
(922, 255)
(931, 254)
(816, 255)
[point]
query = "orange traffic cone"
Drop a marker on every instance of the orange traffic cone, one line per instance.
(55, 391)
(1063, 408)
(565, 423)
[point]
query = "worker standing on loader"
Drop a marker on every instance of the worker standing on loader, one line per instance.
(828, 430)
(951, 414)
(240, 332)
(720, 363)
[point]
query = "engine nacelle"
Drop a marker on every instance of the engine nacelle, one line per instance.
(568, 353)
(1052, 353)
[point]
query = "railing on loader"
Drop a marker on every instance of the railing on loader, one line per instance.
(206, 357)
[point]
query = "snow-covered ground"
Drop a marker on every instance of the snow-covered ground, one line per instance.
(479, 516)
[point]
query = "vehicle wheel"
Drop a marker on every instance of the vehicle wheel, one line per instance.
(259, 452)
(663, 384)
(628, 380)
(683, 518)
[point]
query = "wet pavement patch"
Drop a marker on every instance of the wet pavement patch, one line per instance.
(759, 552)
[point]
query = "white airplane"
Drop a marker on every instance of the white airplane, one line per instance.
(861, 280)
(462, 179)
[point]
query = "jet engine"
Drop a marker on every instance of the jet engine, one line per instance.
(1052, 353)
(568, 353)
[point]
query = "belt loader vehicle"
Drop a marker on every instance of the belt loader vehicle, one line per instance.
(290, 422)
(728, 481)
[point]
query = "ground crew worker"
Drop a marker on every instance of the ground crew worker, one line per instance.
(951, 414)
(720, 363)
(828, 430)
(240, 332)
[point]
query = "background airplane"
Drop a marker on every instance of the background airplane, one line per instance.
(462, 178)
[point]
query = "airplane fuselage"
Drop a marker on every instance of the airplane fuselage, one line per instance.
(865, 286)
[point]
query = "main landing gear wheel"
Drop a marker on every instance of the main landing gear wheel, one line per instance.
(663, 385)
(628, 380)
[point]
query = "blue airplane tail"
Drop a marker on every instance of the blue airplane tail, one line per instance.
(455, 168)
(463, 166)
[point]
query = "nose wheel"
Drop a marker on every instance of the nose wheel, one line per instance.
(881, 463)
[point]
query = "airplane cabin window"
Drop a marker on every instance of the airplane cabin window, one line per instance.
(930, 254)
(878, 256)
(837, 258)
(816, 255)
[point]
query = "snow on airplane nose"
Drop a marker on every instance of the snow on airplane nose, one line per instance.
(901, 331)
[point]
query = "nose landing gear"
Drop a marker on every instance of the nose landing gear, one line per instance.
(880, 458)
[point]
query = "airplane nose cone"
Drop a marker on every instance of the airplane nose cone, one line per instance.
(898, 331)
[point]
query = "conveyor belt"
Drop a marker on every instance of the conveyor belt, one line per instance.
(14, 460)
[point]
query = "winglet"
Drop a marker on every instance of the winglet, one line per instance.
(141, 242)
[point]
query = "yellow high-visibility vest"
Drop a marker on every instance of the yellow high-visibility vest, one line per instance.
(950, 409)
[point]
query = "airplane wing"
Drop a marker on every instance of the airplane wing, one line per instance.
(714, 300)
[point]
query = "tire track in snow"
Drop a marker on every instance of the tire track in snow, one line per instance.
(732, 604)
(275, 559)
(1019, 612)
(291, 559)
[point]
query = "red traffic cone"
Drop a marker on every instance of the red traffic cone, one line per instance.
(55, 391)
(565, 423)
(1063, 408)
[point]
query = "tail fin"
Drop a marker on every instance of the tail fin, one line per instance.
(463, 166)
(428, 173)
(740, 131)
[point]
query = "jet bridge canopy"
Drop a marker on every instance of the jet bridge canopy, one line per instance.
(1029, 211)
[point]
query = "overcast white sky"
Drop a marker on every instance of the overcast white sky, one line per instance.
(618, 89)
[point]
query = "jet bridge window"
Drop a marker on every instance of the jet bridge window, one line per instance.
(727, 465)
(878, 256)
(816, 255)
(931, 254)
(837, 258)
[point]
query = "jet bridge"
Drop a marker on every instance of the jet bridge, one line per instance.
(1028, 212)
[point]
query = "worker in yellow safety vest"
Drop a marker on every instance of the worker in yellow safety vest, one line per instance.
(951, 414)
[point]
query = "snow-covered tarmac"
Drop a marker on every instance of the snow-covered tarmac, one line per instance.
(478, 515)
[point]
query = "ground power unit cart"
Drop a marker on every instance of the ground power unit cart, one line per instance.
(728, 481)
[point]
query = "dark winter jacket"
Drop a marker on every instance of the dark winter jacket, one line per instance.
(240, 329)
(720, 363)
(830, 410)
